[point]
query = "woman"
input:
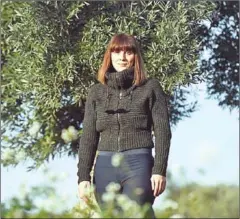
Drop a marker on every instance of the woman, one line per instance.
(120, 113)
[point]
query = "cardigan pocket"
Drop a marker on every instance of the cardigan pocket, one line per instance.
(105, 122)
(140, 122)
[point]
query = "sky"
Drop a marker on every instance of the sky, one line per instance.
(209, 140)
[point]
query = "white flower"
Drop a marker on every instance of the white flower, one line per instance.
(73, 132)
(34, 129)
(113, 187)
(8, 154)
(69, 134)
(117, 159)
(20, 155)
(122, 199)
(125, 202)
(130, 204)
(108, 197)
(65, 136)
(177, 216)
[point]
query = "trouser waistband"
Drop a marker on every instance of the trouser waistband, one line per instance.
(132, 151)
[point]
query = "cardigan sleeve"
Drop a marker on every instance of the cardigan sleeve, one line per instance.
(89, 139)
(161, 127)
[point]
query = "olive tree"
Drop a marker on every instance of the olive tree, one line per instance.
(51, 52)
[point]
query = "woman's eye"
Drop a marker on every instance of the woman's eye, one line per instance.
(115, 51)
(129, 53)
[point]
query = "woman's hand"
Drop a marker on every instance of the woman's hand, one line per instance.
(84, 190)
(158, 184)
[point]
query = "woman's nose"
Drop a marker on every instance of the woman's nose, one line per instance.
(122, 55)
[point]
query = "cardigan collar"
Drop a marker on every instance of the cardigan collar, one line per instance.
(120, 80)
(117, 81)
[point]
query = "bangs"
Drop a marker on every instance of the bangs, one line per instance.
(122, 43)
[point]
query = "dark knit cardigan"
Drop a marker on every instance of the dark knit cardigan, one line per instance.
(120, 116)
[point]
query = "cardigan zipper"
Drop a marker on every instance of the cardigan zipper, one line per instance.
(118, 117)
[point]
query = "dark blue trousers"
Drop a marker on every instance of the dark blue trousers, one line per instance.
(133, 174)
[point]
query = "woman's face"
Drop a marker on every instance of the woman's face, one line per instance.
(122, 60)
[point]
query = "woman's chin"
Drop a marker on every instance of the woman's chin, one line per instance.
(122, 68)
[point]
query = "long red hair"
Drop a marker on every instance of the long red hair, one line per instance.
(127, 43)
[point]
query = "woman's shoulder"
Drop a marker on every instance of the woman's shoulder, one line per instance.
(96, 86)
(95, 89)
(152, 80)
(153, 83)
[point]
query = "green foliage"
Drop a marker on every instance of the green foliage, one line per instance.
(52, 50)
(190, 200)
(25, 207)
(38, 202)
(43, 201)
(221, 39)
(197, 201)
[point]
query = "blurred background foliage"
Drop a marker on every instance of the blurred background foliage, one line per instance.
(189, 200)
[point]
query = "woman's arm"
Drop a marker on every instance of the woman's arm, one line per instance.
(161, 126)
(89, 139)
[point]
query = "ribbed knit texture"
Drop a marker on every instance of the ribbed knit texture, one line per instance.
(116, 124)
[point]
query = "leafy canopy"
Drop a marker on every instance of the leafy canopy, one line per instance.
(52, 50)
